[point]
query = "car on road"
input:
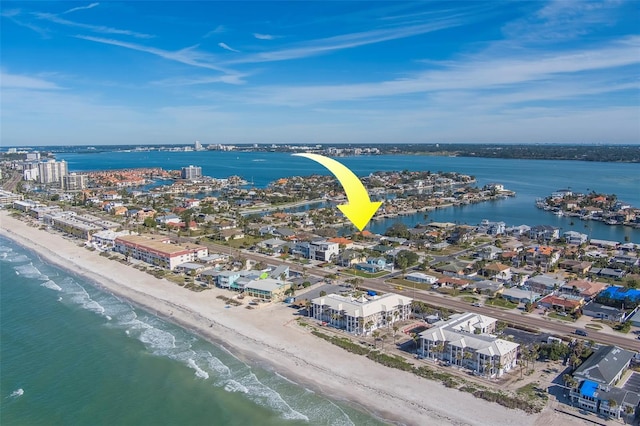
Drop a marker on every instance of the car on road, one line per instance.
(580, 332)
(476, 304)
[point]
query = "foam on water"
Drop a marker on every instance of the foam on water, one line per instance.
(199, 371)
(233, 386)
(28, 271)
(16, 393)
(15, 257)
(51, 285)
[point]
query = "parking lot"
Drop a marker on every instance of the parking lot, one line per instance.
(633, 383)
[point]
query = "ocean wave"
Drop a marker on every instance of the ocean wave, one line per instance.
(14, 257)
(28, 271)
(218, 366)
(80, 296)
(51, 285)
(233, 386)
(199, 371)
(157, 340)
(259, 393)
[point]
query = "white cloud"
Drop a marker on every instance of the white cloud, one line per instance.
(479, 73)
(217, 30)
(75, 9)
(225, 46)
(95, 28)
(264, 36)
(347, 41)
(15, 81)
(188, 56)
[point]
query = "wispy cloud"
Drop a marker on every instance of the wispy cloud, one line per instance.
(347, 41)
(225, 46)
(13, 14)
(563, 20)
(265, 36)
(188, 56)
(478, 73)
(95, 28)
(75, 9)
(217, 30)
(236, 79)
(16, 81)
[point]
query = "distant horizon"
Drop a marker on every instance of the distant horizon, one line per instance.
(263, 144)
(526, 72)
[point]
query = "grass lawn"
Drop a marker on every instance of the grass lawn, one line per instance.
(363, 274)
(501, 303)
(247, 241)
(568, 318)
(469, 299)
(593, 326)
(410, 285)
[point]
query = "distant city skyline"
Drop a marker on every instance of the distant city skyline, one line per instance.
(142, 73)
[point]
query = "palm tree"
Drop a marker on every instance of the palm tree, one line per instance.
(395, 331)
(375, 335)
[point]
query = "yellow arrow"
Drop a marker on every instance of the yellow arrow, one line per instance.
(360, 209)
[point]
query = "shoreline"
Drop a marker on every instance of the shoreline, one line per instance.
(270, 337)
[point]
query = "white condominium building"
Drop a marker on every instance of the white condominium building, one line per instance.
(465, 340)
(52, 171)
(364, 314)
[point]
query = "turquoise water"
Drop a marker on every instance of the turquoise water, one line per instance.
(530, 179)
(74, 355)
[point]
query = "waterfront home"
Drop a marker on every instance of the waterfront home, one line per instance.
(467, 340)
(361, 315)
(106, 238)
(158, 251)
(518, 230)
(575, 238)
(596, 381)
(267, 289)
(192, 268)
(491, 228)
(544, 233)
(280, 272)
(598, 310)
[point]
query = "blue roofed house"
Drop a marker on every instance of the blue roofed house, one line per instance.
(596, 380)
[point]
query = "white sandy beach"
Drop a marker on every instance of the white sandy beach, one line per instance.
(271, 337)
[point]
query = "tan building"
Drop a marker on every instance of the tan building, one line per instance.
(159, 251)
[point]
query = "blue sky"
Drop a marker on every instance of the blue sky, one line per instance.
(319, 72)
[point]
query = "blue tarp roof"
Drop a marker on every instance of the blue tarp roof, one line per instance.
(589, 388)
(620, 293)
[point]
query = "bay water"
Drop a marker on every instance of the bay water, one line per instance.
(74, 355)
(530, 179)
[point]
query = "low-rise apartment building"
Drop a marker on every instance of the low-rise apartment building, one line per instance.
(465, 340)
(361, 315)
(158, 251)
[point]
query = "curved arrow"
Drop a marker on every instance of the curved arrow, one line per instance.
(360, 209)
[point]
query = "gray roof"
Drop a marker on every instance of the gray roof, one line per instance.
(604, 365)
(599, 308)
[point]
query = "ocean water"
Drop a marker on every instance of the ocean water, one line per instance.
(531, 179)
(74, 355)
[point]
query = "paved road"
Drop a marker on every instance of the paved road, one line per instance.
(531, 320)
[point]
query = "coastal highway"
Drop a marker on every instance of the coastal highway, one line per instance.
(531, 320)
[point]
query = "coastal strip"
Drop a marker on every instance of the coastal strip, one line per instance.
(269, 336)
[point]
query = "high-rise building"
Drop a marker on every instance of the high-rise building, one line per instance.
(198, 146)
(74, 182)
(52, 171)
(191, 172)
